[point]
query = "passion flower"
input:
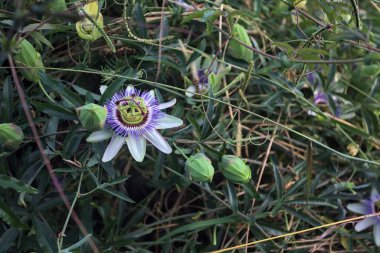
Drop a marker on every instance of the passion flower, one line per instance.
(368, 206)
(133, 116)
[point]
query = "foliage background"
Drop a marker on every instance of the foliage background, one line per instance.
(308, 161)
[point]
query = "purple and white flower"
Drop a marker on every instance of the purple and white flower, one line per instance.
(134, 116)
(201, 86)
(368, 206)
(207, 74)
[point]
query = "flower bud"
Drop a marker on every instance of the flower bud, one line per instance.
(92, 116)
(200, 168)
(29, 61)
(11, 136)
(235, 169)
(85, 28)
(236, 49)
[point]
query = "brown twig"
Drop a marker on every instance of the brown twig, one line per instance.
(45, 159)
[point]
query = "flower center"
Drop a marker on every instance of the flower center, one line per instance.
(132, 111)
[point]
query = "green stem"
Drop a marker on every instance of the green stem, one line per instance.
(44, 91)
(62, 234)
(180, 151)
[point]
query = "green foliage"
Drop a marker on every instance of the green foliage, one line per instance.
(280, 103)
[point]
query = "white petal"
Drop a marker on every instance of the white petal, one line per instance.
(358, 208)
(158, 141)
(167, 104)
(151, 92)
(99, 136)
(363, 224)
(137, 147)
(113, 147)
(103, 88)
(376, 234)
(130, 89)
(190, 91)
(168, 121)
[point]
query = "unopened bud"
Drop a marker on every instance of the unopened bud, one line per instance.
(11, 136)
(92, 116)
(236, 49)
(235, 169)
(200, 168)
(29, 61)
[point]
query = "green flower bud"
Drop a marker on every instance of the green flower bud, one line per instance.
(236, 49)
(85, 28)
(235, 169)
(27, 56)
(11, 136)
(92, 116)
(200, 168)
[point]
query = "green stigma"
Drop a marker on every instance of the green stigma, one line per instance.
(132, 111)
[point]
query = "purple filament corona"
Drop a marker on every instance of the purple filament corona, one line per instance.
(132, 112)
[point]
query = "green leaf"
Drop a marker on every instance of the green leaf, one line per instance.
(45, 236)
(209, 115)
(119, 180)
(165, 60)
(372, 57)
(328, 10)
(196, 54)
(15, 184)
(309, 169)
(200, 225)
(77, 245)
(194, 123)
(279, 183)
(7, 239)
(7, 100)
(71, 97)
(302, 216)
(72, 141)
(195, 15)
(55, 110)
(158, 166)
(284, 45)
(138, 14)
(232, 196)
(84, 92)
(9, 217)
(117, 194)
(114, 87)
(37, 36)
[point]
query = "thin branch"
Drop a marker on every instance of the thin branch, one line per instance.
(45, 159)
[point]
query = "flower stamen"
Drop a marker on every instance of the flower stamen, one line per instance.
(132, 111)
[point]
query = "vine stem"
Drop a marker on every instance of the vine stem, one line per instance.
(299, 232)
(45, 159)
(62, 234)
